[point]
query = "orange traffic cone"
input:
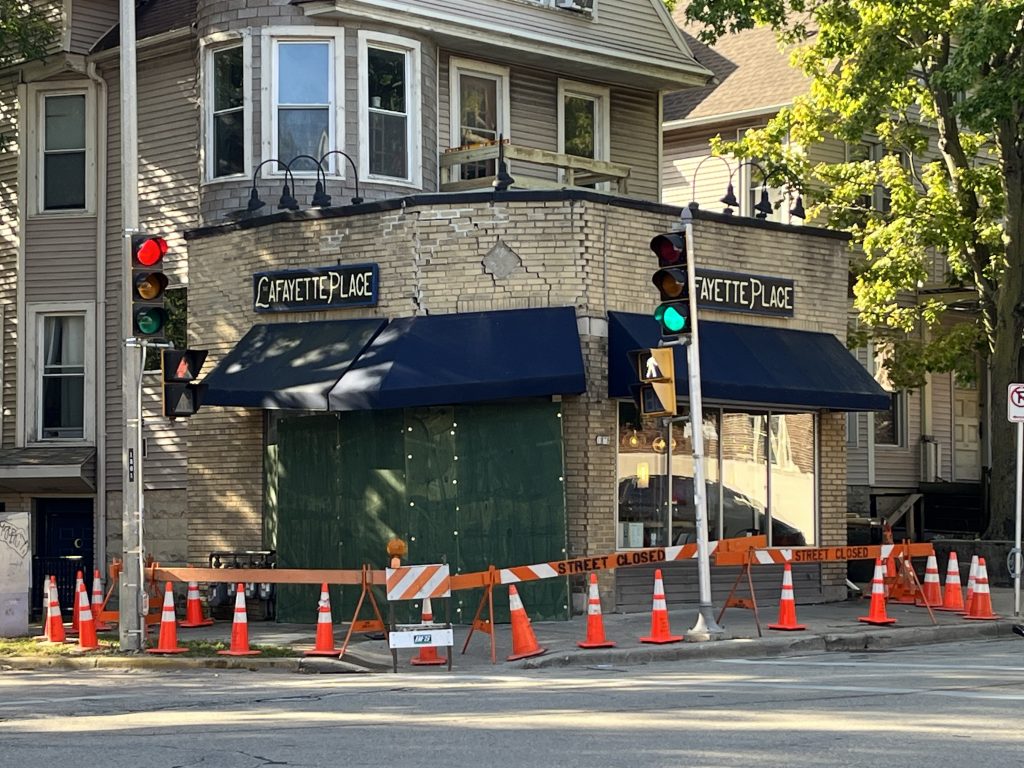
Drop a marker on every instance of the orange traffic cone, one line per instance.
(981, 605)
(194, 609)
(168, 640)
(972, 577)
(97, 601)
(324, 627)
(931, 589)
(427, 656)
(86, 626)
(239, 628)
(54, 619)
(953, 593)
(76, 609)
(876, 612)
(787, 604)
(595, 623)
(660, 632)
(524, 642)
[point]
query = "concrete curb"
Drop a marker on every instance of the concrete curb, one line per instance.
(770, 646)
(308, 665)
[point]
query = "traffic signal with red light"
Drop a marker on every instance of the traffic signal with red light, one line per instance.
(673, 313)
(148, 285)
(180, 368)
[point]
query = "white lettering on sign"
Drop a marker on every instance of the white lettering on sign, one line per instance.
(744, 293)
(320, 288)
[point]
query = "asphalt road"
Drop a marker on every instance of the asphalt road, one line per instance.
(943, 705)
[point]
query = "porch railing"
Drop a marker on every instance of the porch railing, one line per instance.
(574, 171)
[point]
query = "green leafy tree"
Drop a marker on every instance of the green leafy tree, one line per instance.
(26, 30)
(940, 83)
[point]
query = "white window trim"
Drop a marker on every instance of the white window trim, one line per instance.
(268, 100)
(413, 107)
(29, 376)
(210, 46)
(457, 67)
(601, 97)
(37, 94)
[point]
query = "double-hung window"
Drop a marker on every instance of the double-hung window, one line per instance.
(59, 383)
(305, 115)
(583, 120)
(65, 155)
(890, 425)
(389, 108)
(228, 129)
(479, 109)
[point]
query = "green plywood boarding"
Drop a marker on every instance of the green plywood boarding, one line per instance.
(473, 485)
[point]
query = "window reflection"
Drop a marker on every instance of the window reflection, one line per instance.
(747, 458)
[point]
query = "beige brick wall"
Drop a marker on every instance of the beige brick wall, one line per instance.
(580, 253)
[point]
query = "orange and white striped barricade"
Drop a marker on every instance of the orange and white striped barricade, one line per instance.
(419, 582)
(375, 624)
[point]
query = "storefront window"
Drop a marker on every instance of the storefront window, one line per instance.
(748, 458)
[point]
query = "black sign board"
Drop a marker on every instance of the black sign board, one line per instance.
(736, 292)
(298, 290)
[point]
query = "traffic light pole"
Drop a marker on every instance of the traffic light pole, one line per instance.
(706, 628)
(131, 595)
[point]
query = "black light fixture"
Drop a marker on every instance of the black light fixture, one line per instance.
(254, 199)
(798, 208)
(694, 205)
(502, 179)
(355, 173)
(286, 201)
(730, 197)
(764, 205)
(320, 197)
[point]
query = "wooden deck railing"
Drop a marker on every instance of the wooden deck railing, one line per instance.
(574, 171)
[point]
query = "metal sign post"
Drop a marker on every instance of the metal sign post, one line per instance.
(706, 628)
(1015, 413)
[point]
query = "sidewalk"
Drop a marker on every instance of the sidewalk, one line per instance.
(830, 627)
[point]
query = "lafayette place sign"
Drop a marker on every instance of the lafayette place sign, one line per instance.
(735, 292)
(298, 290)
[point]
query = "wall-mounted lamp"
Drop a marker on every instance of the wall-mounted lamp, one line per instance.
(287, 201)
(355, 174)
(763, 207)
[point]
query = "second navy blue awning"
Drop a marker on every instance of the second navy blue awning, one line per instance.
(752, 364)
(468, 357)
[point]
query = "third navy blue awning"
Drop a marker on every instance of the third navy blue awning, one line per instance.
(467, 357)
(752, 364)
(289, 365)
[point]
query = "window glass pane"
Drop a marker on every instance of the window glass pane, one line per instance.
(302, 131)
(580, 119)
(227, 79)
(388, 145)
(62, 395)
(744, 473)
(887, 424)
(684, 511)
(64, 181)
(228, 144)
(303, 74)
(386, 79)
(65, 122)
(478, 100)
(793, 481)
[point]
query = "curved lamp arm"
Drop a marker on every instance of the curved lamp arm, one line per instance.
(320, 197)
(693, 186)
(254, 199)
(355, 171)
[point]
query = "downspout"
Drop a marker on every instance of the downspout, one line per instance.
(100, 316)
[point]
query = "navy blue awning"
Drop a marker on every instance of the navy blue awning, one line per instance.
(469, 357)
(289, 365)
(752, 364)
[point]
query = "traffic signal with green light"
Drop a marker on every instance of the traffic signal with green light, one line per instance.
(148, 285)
(673, 313)
(182, 396)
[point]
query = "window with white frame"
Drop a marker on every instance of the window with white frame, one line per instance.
(890, 425)
(60, 374)
(479, 109)
(227, 123)
(583, 120)
(305, 114)
(389, 108)
(64, 151)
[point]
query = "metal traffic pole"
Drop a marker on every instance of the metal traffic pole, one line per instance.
(706, 627)
(1015, 554)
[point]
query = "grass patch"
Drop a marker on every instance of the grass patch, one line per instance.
(110, 646)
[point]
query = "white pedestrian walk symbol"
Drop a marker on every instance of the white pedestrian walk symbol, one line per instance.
(653, 371)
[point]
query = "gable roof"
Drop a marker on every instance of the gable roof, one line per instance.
(751, 74)
(152, 17)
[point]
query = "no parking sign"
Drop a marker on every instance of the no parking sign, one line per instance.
(1015, 403)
